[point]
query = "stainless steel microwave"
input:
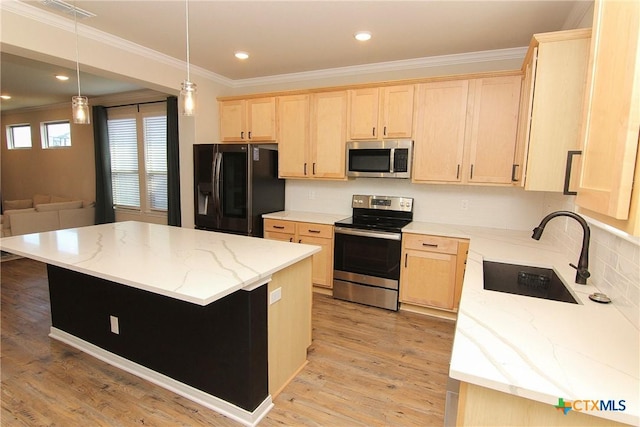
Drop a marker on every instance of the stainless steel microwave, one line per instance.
(380, 159)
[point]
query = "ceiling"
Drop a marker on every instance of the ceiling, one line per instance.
(285, 37)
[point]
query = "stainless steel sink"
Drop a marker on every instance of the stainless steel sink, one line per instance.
(525, 280)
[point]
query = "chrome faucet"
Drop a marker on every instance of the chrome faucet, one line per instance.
(582, 269)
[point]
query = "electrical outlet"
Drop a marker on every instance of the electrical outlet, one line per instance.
(464, 204)
(115, 327)
(312, 195)
(275, 296)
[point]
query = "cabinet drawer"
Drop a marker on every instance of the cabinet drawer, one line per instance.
(430, 243)
(279, 226)
(315, 230)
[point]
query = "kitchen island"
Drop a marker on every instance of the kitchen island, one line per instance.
(206, 315)
(517, 356)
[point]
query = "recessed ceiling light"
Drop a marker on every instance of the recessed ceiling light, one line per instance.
(362, 36)
(5, 97)
(62, 77)
(241, 55)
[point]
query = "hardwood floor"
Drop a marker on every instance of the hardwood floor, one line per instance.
(367, 367)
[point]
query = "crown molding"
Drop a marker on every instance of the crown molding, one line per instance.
(48, 18)
(517, 53)
(66, 24)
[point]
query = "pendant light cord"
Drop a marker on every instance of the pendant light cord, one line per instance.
(187, 20)
(75, 19)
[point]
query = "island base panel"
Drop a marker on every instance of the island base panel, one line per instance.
(220, 348)
(480, 406)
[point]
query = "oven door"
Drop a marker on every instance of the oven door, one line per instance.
(368, 253)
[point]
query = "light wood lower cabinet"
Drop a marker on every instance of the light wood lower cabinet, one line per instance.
(311, 234)
(432, 271)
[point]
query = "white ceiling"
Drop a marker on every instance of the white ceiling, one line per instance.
(285, 37)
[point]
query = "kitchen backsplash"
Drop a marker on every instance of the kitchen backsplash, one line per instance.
(614, 256)
(498, 207)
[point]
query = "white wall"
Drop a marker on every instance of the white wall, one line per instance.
(497, 207)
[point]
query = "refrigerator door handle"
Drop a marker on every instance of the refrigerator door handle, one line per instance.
(217, 166)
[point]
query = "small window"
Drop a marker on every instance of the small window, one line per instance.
(18, 136)
(56, 134)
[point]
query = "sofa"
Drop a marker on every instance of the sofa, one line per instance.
(45, 213)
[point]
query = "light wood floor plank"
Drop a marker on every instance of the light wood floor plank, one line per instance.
(367, 367)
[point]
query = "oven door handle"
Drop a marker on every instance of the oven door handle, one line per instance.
(366, 233)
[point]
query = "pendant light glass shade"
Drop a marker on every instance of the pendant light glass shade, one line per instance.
(188, 98)
(80, 110)
(79, 104)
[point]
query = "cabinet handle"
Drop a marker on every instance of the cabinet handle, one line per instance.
(314, 168)
(242, 135)
(290, 239)
(430, 245)
(249, 134)
(406, 256)
(279, 227)
(458, 171)
(567, 173)
(305, 169)
(313, 231)
(384, 131)
(471, 175)
(300, 241)
(513, 173)
(373, 131)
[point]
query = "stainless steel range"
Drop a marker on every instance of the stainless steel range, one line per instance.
(368, 250)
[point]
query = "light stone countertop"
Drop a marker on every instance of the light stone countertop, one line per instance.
(535, 348)
(190, 265)
(300, 216)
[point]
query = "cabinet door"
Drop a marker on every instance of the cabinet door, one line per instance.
(556, 118)
(293, 136)
(496, 102)
(363, 113)
(440, 131)
(261, 119)
(322, 261)
(524, 120)
(232, 120)
(428, 279)
(328, 134)
(397, 111)
(612, 114)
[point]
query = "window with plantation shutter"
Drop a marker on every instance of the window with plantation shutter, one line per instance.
(138, 146)
(123, 144)
(155, 147)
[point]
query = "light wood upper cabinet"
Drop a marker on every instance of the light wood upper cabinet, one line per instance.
(312, 135)
(466, 130)
(612, 115)
(381, 113)
(328, 134)
(293, 136)
(551, 109)
(248, 120)
(440, 131)
(496, 102)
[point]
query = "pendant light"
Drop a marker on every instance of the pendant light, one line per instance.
(188, 91)
(79, 104)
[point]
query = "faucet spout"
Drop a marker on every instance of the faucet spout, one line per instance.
(582, 269)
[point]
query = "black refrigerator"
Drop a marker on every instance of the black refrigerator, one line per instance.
(234, 185)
